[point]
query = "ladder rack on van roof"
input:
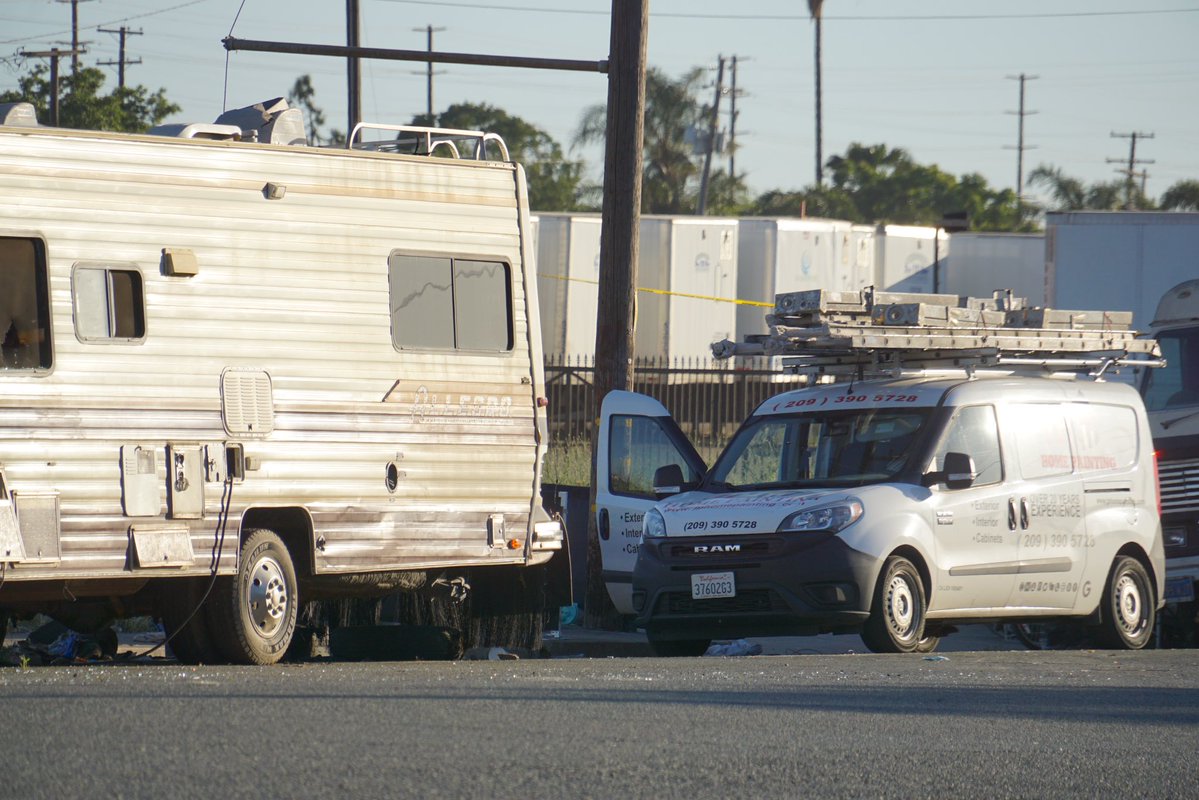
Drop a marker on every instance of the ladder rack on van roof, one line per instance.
(822, 332)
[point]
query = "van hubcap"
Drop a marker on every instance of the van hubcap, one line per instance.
(1128, 603)
(900, 606)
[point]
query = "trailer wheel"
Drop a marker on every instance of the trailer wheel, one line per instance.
(185, 621)
(254, 612)
(1129, 606)
(896, 623)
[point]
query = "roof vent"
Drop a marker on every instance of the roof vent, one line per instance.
(197, 130)
(270, 121)
(19, 115)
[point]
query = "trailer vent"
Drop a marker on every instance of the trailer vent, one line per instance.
(247, 403)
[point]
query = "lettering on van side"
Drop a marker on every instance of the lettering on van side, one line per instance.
(1055, 504)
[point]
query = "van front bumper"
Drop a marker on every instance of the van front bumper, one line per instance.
(786, 584)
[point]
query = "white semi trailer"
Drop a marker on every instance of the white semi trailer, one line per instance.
(237, 372)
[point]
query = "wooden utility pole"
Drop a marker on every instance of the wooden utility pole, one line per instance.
(353, 66)
(121, 60)
(701, 207)
(1130, 172)
(75, 50)
(429, 73)
(1020, 146)
(816, 8)
(619, 250)
(53, 54)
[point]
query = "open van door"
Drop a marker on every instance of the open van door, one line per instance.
(637, 436)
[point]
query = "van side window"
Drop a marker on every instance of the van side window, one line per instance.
(109, 304)
(450, 303)
(636, 448)
(1105, 437)
(973, 431)
(1042, 446)
(24, 305)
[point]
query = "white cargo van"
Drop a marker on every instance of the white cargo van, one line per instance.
(897, 507)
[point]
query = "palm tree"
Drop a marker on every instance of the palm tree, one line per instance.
(671, 110)
(816, 9)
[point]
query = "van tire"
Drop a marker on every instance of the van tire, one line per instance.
(1129, 606)
(896, 622)
(253, 613)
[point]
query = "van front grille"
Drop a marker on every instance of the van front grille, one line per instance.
(1179, 482)
(753, 600)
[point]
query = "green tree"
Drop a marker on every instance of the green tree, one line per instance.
(1182, 196)
(1067, 193)
(554, 181)
(672, 111)
(875, 183)
(303, 96)
(133, 109)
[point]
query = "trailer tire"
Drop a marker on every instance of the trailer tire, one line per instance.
(254, 612)
(184, 619)
(1129, 606)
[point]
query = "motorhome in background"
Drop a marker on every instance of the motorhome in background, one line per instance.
(985, 262)
(905, 255)
(687, 281)
(568, 248)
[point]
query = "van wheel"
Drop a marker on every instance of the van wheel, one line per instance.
(182, 607)
(896, 623)
(669, 648)
(1129, 606)
(254, 612)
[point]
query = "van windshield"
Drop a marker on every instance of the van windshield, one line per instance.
(836, 448)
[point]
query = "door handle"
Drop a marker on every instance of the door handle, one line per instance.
(1024, 513)
(604, 532)
(1011, 514)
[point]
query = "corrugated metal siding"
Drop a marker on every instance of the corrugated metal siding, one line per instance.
(295, 287)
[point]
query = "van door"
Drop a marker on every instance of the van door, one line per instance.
(637, 436)
(1049, 501)
(975, 527)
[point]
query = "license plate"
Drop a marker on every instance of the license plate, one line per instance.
(1178, 590)
(707, 585)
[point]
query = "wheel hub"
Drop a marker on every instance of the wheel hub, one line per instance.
(1128, 603)
(267, 596)
(901, 606)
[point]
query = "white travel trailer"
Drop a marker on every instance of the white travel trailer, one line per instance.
(906, 256)
(568, 248)
(238, 374)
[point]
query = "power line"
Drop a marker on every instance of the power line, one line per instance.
(130, 18)
(429, 72)
(867, 18)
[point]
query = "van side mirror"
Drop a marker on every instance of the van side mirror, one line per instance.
(668, 480)
(958, 472)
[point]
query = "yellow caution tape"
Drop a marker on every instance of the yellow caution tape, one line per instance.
(733, 300)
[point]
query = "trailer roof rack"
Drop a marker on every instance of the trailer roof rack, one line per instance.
(821, 332)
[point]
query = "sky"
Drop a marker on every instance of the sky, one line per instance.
(937, 78)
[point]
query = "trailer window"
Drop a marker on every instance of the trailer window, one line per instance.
(109, 304)
(24, 305)
(450, 303)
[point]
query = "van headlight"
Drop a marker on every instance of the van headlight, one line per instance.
(653, 526)
(826, 518)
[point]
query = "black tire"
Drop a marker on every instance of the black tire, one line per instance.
(896, 623)
(253, 613)
(184, 618)
(1129, 606)
(1031, 634)
(680, 648)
